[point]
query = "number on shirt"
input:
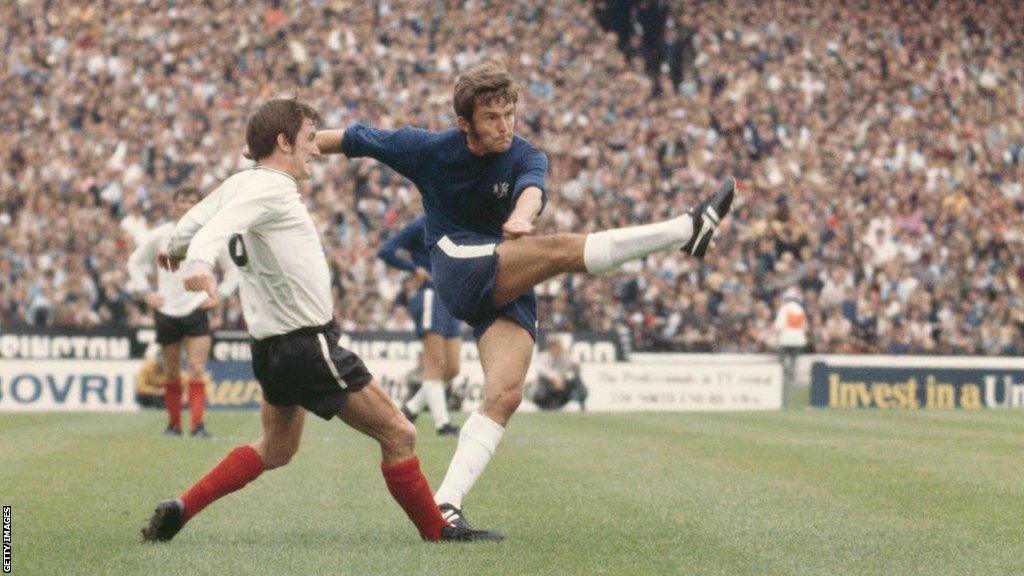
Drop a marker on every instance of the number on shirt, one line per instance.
(236, 249)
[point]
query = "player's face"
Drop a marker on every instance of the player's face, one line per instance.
(305, 149)
(493, 126)
(183, 204)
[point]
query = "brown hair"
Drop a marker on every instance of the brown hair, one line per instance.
(484, 83)
(187, 191)
(273, 117)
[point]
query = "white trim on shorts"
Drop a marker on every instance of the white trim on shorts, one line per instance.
(462, 252)
(330, 363)
(428, 309)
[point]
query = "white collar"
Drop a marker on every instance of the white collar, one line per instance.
(282, 173)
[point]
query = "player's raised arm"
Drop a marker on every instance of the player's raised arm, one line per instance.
(234, 217)
(187, 227)
(329, 141)
(399, 149)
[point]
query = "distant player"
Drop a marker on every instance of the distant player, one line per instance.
(482, 186)
(436, 328)
(286, 300)
(182, 317)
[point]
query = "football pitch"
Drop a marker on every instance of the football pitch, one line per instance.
(799, 491)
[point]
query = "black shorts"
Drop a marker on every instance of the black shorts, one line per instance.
(308, 368)
(171, 329)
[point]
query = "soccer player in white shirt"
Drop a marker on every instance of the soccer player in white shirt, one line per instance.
(286, 299)
(181, 317)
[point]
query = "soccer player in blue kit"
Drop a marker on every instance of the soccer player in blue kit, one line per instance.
(482, 187)
(435, 326)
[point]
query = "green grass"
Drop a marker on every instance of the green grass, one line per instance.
(794, 492)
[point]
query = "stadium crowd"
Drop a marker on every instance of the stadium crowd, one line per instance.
(881, 144)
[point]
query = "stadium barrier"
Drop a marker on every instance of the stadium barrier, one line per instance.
(682, 385)
(65, 385)
(917, 382)
(97, 371)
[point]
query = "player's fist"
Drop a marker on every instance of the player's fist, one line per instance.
(168, 262)
(515, 227)
(200, 279)
(210, 303)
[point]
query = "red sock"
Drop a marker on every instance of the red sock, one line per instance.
(196, 401)
(172, 400)
(241, 466)
(410, 488)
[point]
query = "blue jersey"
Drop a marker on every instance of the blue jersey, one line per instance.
(411, 239)
(462, 192)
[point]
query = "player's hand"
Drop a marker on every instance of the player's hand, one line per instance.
(168, 262)
(201, 280)
(422, 275)
(210, 303)
(515, 227)
(153, 300)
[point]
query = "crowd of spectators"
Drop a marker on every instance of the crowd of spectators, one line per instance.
(881, 144)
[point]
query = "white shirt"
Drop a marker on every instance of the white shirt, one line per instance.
(178, 302)
(791, 325)
(285, 283)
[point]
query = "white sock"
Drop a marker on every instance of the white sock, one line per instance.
(477, 442)
(607, 250)
(433, 391)
(418, 400)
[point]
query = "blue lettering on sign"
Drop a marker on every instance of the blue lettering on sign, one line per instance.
(60, 395)
(37, 392)
(99, 388)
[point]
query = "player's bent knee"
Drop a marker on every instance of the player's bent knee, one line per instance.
(406, 434)
(278, 457)
(504, 403)
(399, 437)
(275, 456)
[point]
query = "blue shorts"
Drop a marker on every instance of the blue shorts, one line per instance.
(431, 315)
(464, 268)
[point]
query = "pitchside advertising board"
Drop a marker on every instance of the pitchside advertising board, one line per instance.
(918, 383)
(678, 383)
(97, 371)
(68, 385)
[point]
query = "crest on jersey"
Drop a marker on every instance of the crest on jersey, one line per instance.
(501, 189)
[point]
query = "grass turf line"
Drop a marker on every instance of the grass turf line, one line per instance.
(793, 492)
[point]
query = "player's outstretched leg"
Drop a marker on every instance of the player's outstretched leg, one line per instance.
(525, 262)
(691, 232)
(371, 411)
(282, 431)
(708, 215)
